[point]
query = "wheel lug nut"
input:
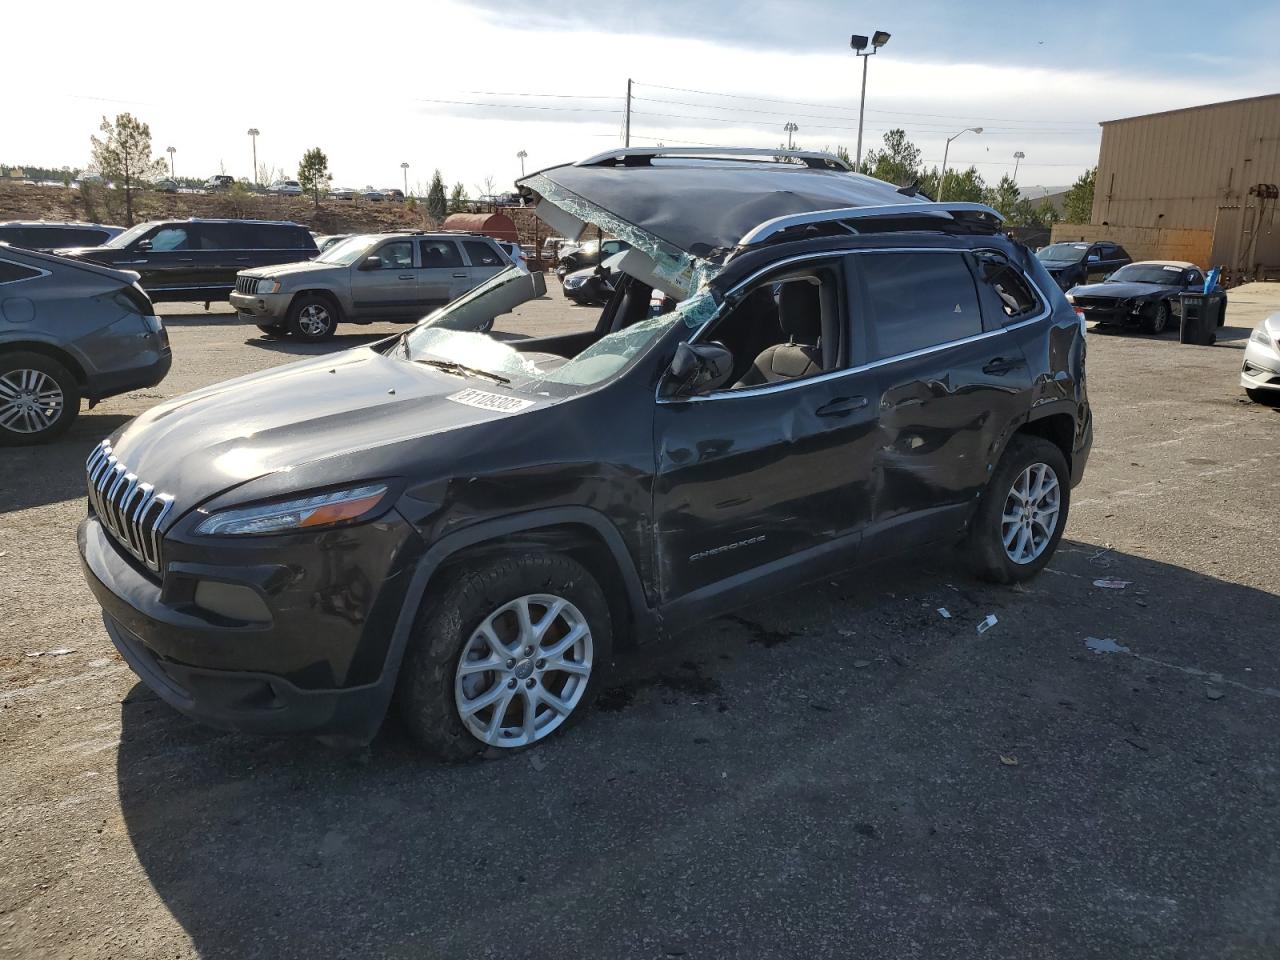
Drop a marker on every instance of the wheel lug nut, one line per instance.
(531, 682)
(528, 650)
(511, 684)
(540, 664)
(510, 664)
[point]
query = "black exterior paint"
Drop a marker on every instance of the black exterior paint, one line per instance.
(691, 506)
(1130, 304)
(207, 270)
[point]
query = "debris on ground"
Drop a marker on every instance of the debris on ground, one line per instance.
(536, 761)
(861, 663)
(60, 652)
(1112, 584)
(987, 623)
(1104, 645)
(1214, 693)
(1008, 761)
(944, 613)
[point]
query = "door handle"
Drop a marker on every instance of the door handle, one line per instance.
(999, 366)
(461, 276)
(186, 259)
(842, 406)
(406, 276)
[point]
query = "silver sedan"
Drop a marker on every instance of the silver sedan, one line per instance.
(1260, 374)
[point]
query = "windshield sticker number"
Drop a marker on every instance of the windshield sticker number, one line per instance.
(490, 401)
(1172, 269)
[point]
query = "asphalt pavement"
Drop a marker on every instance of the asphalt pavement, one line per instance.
(850, 769)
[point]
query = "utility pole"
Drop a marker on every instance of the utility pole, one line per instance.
(942, 177)
(253, 134)
(171, 151)
(790, 128)
(520, 156)
(626, 126)
(1018, 157)
(405, 167)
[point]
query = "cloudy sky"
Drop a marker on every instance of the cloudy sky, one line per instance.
(464, 86)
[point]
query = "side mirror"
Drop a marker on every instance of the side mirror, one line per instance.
(699, 367)
(1093, 258)
(143, 245)
(372, 262)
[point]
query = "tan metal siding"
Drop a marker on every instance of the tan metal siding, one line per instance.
(1173, 170)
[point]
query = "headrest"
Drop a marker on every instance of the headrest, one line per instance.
(800, 311)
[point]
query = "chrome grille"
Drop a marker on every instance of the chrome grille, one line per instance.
(247, 285)
(129, 509)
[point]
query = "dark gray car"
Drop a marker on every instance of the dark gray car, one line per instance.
(70, 330)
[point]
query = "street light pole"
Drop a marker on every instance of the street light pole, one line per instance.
(1018, 157)
(790, 128)
(942, 177)
(171, 151)
(253, 134)
(405, 168)
(522, 154)
(859, 45)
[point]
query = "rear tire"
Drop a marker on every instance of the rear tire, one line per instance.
(313, 318)
(1020, 520)
(454, 629)
(39, 398)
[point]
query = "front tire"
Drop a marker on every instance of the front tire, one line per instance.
(1268, 398)
(505, 654)
(313, 318)
(273, 331)
(1022, 513)
(39, 399)
(1158, 322)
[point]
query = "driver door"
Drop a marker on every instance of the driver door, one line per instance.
(390, 288)
(769, 479)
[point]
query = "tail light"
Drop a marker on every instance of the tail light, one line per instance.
(1080, 316)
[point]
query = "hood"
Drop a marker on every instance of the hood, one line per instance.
(1124, 291)
(299, 266)
(326, 408)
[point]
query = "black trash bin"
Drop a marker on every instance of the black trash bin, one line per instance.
(1200, 313)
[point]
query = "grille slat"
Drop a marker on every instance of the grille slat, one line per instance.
(246, 285)
(131, 510)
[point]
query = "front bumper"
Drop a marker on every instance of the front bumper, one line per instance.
(1261, 367)
(269, 308)
(309, 668)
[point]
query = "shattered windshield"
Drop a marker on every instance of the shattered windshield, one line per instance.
(450, 335)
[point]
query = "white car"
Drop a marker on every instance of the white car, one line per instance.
(1260, 374)
(516, 253)
(286, 188)
(342, 193)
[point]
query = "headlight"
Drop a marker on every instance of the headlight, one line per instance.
(267, 286)
(1260, 335)
(321, 510)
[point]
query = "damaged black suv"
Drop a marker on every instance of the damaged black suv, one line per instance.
(469, 527)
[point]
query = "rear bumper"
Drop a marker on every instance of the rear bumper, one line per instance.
(103, 385)
(1084, 445)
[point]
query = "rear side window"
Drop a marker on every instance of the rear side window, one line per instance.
(1014, 294)
(918, 300)
(13, 272)
(480, 254)
(440, 253)
(226, 236)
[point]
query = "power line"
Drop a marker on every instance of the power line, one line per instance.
(828, 106)
(564, 96)
(518, 106)
(746, 123)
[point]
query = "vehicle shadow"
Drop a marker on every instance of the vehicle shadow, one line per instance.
(59, 465)
(843, 763)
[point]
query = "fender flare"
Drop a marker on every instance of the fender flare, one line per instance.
(439, 552)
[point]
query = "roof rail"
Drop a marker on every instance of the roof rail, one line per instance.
(941, 211)
(641, 156)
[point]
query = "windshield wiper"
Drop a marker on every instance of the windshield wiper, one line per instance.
(450, 366)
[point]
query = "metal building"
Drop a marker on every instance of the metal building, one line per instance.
(1194, 184)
